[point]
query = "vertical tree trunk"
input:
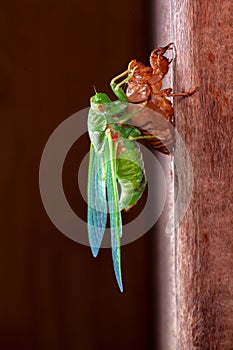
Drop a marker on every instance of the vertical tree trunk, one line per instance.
(202, 33)
(203, 39)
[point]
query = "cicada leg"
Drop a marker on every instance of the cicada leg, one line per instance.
(116, 87)
(113, 81)
(145, 137)
(169, 93)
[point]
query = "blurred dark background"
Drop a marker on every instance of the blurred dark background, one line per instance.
(53, 294)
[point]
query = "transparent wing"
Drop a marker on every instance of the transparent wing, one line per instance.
(97, 205)
(113, 203)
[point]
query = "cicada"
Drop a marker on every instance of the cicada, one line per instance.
(115, 157)
(115, 160)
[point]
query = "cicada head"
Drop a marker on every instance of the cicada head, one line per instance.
(100, 98)
(99, 102)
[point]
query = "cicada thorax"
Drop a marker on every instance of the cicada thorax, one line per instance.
(100, 117)
(145, 87)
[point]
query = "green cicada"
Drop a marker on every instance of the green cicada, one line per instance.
(115, 159)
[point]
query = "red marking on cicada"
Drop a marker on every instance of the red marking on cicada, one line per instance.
(115, 136)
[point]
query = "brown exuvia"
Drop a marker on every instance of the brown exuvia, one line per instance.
(145, 86)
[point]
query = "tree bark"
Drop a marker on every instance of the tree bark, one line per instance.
(204, 242)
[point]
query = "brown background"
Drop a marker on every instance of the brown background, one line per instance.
(53, 294)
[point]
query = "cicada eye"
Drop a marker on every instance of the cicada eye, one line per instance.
(100, 108)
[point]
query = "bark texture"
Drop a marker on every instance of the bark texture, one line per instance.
(203, 38)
